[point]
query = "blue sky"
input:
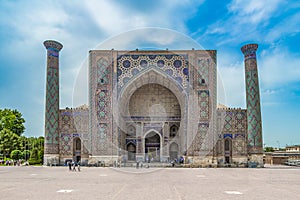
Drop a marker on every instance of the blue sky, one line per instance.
(221, 25)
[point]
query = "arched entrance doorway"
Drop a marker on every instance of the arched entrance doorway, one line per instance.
(131, 149)
(152, 147)
(228, 150)
(153, 101)
(173, 151)
(76, 149)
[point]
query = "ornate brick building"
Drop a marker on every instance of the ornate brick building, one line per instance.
(153, 106)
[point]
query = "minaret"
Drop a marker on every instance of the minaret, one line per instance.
(255, 147)
(51, 152)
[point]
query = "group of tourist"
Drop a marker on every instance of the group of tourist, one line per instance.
(140, 164)
(14, 162)
(72, 166)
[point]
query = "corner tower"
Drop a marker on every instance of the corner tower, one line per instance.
(51, 155)
(254, 131)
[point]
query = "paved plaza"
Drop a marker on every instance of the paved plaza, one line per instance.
(167, 183)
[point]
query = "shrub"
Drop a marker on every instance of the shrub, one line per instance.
(34, 162)
(34, 157)
(26, 154)
(16, 155)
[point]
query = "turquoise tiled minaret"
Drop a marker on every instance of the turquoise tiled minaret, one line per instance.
(51, 152)
(255, 144)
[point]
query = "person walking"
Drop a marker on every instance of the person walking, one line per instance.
(74, 166)
(70, 165)
(78, 166)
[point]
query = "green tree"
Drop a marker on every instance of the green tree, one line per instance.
(40, 143)
(30, 143)
(12, 120)
(16, 155)
(23, 143)
(9, 141)
(269, 149)
(41, 155)
(26, 154)
(34, 157)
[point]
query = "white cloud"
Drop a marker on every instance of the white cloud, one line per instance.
(278, 67)
(250, 21)
(286, 27)
(80, 27)
(38, 24)
(158, 38)
(113, 17)
(269, 92)
(232, 78)
(110, 16)
(245, 21)
(253, 11)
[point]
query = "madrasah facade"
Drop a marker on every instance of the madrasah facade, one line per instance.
(153, 106)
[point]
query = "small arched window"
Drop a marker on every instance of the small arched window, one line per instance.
(227, 145)
(173, 131)
(78, 144)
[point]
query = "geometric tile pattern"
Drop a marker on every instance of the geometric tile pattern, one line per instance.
(234, 128)
(102, 71)
(240, 121)
(101, 121)
(175, 66)
(203, 102)
(253, 99)
(203, 67)
(239, 147)
(103, 103)
(66, 129)
(66, 144)
(235, 121)
(202, 78)
(72, 124)
(66, 123)
(52, 106)
(52, 98)
(103, 139)
(228, 121)
(200, 141)
(253, 107)
(203, 71)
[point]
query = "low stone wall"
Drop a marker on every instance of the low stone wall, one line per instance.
(51, 159)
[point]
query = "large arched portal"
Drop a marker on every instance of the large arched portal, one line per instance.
(154, 107)
(152, 102)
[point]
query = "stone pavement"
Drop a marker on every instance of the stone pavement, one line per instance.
(45, 183)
